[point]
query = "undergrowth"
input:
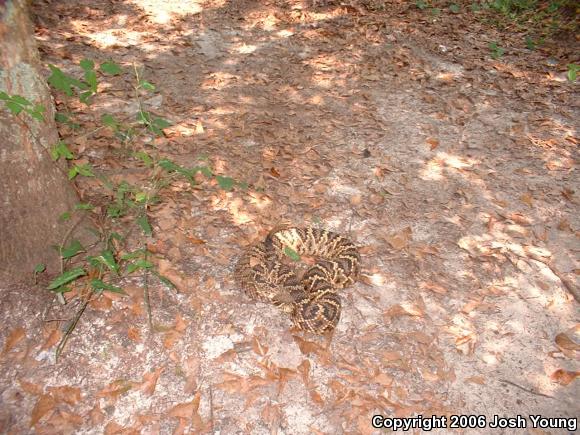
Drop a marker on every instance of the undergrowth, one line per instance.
(88, 271)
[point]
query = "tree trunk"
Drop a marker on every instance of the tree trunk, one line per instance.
(34, 191)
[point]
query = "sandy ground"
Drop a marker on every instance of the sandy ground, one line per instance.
(453, 172)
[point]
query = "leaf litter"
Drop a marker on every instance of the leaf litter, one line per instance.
(453, 171)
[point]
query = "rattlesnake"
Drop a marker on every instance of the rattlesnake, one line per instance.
(312, 300)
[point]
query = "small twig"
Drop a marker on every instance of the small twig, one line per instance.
(527, 390)
(146, 297)
(72, 325)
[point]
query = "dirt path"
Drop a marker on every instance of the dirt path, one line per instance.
(454, 173)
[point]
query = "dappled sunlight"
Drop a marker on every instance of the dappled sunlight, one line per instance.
(162, 11)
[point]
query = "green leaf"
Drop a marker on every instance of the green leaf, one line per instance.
(573, 71)
(87, 64)
(530, 43)
(146, 85)
(84, 96)
(21, 100)
(99, 285)
(140, 197)
(111, 68)
(162, 123)
(226, 183)
(143, 117)
(36, 114)
(109, 120)
(143, 222)
(108, 259)
(291, 253)
(168, 165)
(421, 4)
(65, 216)
(71, 250)
(39, 268)
(165, 280)
(60, 149)
(91, 79)
(15, 108)
(83, 206)
(132, 255)
(4, 96)
(66, 277)
(63, 82)
(139, 264)
(62, 289)
(85, 170)
(145, 158)
(61, 117)
(205, 170)
(454, 8)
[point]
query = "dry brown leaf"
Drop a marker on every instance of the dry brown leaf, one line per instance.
(399, 240)
(404, 309)
(96, 415)
(115, 389)
(434, 287)
(470, 306)
(519, 218)
(271, 414)
(30, 388)
(53, 338)
(527, 199)
(44, 405)
(134, 334)
(114, 428)
(384, 380)
(391, 355)
(150, 381)
(186, 410)
(306, 347)
(316, 397)
(304, 369)
(567, 345)
(170, 338)
(70, 395)
(14, 338)
(284, 375)
(480, 380)
(355, 200)
(180, 324)
(564, 377)
(433, 143)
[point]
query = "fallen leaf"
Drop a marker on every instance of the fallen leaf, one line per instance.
(304, 369)
(44, 405)
(480, 380)
(564, 377)
(70, 395)
(433, 143)
(383, 379)
(14, 338)
(30, 388)
(399, 240)
(134, 334)
(150, 381)
(527, 199)
(470, 306)
(434, 287)
(96, 415)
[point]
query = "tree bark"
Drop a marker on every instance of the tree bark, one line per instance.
(34, 191)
